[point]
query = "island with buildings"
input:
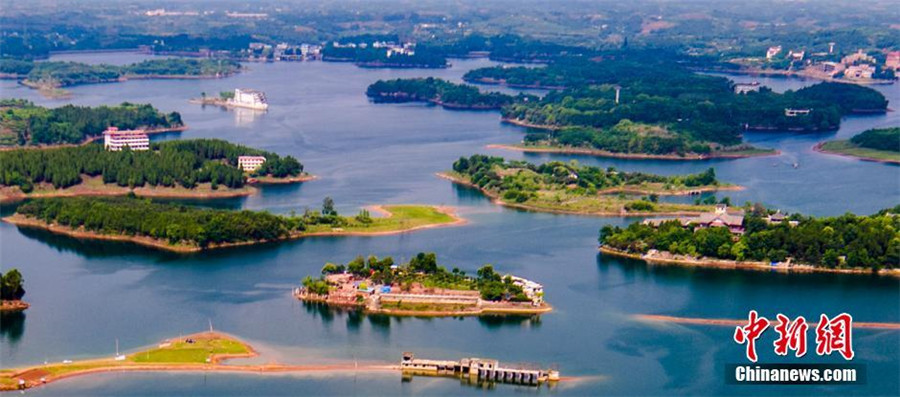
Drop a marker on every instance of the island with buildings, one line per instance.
(758, 239)
(576, 189)
(877, 144)
(128, 162)
(421, 287)
(185, 229)
(240, 98)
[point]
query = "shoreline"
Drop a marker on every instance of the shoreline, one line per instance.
(469, 311)
(13, 194)
(36, 376)
(744, 265)
(495, 198)
(633, 156)
(79, 233)
(13, 306)
(820, 149)
(751, 71)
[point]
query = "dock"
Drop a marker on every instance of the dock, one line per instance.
(478, 370)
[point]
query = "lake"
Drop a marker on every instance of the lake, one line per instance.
(85, 295)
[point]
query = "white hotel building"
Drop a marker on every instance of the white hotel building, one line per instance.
(250, 163)
(116, 140)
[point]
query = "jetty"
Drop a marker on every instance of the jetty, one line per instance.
(478, 370)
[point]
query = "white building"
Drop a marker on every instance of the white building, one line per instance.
(116, 140)
(796, 112)
(772, 51)
(743, 88)
(252, 99)
(863, 71)
(532, 290)
(250, 163)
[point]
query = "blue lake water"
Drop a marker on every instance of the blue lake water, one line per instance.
(85, 295)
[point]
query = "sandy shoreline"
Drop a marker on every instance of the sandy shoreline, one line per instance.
(80, 233)
(748, 265)
(10, 306)
(635, 156)
(495, 198)
(818, 148)
(37, 376)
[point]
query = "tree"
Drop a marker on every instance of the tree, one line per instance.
(11, 287)
(328, 207)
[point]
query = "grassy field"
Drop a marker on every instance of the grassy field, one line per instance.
(183, 352)
(171, 355)
(849, 149)
(402, 217)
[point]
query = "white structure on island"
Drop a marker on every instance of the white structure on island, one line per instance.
(115, 139)
(532, 290)
(250, 163)
(251, 99)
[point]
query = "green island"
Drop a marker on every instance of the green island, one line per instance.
(201, 168)
(371, 56)
(762, 239)
(421, 287)
(53, 75)
(878, 144)
(437, 91)
(11, 292)
(572, 188)
(182, 228)
(22, 123)
(628, 104)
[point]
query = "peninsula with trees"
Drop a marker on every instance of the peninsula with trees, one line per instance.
(54, 75)
(182, 228)
(577, 189)
(762, 239)
(436, 91)
(22, 123)
(421, 287)
(632, 105)
(200, 168)
(878, 144)
(11, 291)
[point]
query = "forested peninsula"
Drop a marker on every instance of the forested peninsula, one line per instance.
(63, 74)
(182, 228)
(577, 189)
(632, 105)
(181, 168)
(437, 91)
(769, 241)
(878, 144)
(22, 123)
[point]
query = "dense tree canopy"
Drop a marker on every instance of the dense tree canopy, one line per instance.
(28, 124)
(518, 180)
(184, 163)
(62, 74)
(842, 241)
(879, 138)
(436, 91)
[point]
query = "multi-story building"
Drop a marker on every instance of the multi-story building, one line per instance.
(864, 71)
(252, 99)
(115, 139)
(250, 163)
(893, 60)
(772, 51)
